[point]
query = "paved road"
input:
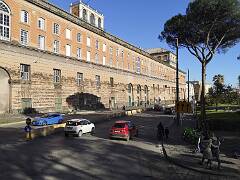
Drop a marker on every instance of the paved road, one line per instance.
(91, 157)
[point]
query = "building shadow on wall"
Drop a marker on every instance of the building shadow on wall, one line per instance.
(85, 101)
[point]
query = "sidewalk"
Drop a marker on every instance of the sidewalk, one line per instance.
(180, 153)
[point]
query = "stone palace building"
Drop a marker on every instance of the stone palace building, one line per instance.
(48, 55)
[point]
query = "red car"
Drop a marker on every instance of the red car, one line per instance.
(123, 130)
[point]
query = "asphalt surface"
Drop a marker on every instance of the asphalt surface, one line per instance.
(90, 157)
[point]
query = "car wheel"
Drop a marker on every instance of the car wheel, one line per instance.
(66, 134)
(80, 133)
(93, 131)
(128, 138)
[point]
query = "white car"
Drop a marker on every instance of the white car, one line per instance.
(78, 127)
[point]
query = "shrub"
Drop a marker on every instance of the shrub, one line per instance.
(190, 135)
(29, 111)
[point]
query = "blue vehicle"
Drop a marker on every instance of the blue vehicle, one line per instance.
(48, 119)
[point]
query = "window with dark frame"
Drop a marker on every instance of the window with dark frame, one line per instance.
(79, 53)
(97, 79)
(24, 16)
(56, 46)
(56, 75)
(79, 37)
(56, 28)
(25, 72)
(111, 82)
(41, 23)
(79, 79)
(24, 37)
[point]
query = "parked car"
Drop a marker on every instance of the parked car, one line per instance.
(169, 110)
(123, 130)
(78, 127)
(48, 119)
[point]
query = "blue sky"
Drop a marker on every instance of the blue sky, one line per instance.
(140, 22)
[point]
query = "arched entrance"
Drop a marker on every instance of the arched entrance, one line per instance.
(5, 91)
(139, 95)
(146, 95)
(130, 95)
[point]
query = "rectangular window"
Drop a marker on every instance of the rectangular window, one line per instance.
(88, 42)
(41, 23)
(79, 79)
(4, 27)
(68, 34)
(56, 46)
(24, 16)
(68, 50)
(96, 58)
(88, 56)
(111, 62)
(24, 37)
(138, 65)
(41, 42)
(56, 75)
(111, 82)
(97, 79)
(110, 50)
(104, 60)
(79, 37)
(97, 44)
(104, 47)
(117, 52)
(122, 54)
(25, 72)
(79, 53)
(56, 28)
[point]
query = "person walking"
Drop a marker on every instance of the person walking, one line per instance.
(207, 152)
(216, 150)
(166, 132)
(160, 131)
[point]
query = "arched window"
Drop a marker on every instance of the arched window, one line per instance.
(99, 23)
(92, 19)
(146, 93)
(4, 22)
(84, 15)
(130, 88)
(138, 89)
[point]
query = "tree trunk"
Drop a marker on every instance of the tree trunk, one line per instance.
(203, 109)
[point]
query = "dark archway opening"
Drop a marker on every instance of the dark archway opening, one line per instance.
(85, 101)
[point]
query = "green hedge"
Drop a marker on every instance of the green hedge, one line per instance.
(190, 135)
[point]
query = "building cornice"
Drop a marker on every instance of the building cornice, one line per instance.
(69, 17)
(72, 59)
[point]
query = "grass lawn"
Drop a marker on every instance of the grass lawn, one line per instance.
(220, 120)
(221, 114)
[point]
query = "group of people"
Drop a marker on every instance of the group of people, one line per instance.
(162, 132)
(210, 148)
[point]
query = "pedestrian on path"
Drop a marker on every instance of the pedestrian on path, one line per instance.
(166, 132)
(160, 131)
(207, 152)
(216, 149)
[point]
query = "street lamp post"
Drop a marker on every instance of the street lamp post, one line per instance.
(177, 83)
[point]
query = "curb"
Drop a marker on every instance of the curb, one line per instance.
(12, 123)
